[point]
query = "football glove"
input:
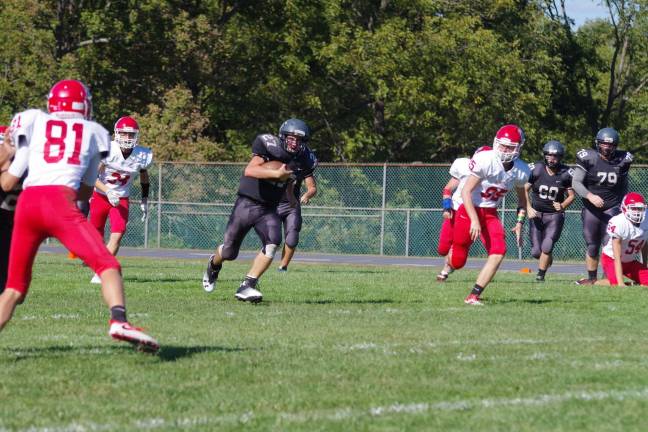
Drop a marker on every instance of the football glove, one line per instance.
(144, 208)
(113, 198)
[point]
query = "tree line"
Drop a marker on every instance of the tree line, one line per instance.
(382, 80)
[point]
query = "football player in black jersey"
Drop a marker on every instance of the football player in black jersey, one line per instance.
(289, 211)
(551, 193)
(601, 179)
(8, 202)
(260, 191)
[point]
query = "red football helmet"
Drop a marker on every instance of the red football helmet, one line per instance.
(633, 207)
(126, 132)
(482, 148)
(70, 98)
(508, 142)
(3, 130)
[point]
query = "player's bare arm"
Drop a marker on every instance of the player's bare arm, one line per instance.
(466, 196)
(571, 196)
(530, 211)
(311, 190)
(255, 169)
(448, 189)
(521, 212)
(618, 266)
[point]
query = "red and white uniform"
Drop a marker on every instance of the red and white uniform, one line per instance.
(458, 169)
(486, 197)
(496, 181)
(119, 173)
(59, 154)
(118, 176)
(633, 238)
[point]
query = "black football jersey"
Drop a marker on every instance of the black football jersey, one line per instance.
(547, 188)
(605, 178)
(299, 174)
(269, 148)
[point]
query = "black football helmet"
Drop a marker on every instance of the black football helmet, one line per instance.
(553, 148)
(297, 128)
(607, 141)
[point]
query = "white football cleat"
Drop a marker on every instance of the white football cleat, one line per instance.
(123, 331)
(210, 276)
(95, 279)
(248, 294)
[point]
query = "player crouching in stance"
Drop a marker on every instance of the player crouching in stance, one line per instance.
(627, 233)
(551, 194)
(61, 152)
(492, 174)
(260, 191)
(112, 189)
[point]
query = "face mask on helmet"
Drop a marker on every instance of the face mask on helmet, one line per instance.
(607, 140)
(508, 142)
(633, 207)
(553, 152)
(294, 134)
(126, 132)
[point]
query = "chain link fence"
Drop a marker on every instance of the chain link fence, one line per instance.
(381, 209)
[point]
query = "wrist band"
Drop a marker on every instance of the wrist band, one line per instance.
(447, 192)
(447, 204)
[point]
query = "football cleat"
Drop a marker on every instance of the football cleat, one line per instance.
(442, 277)
(585, 281)
(282, 269)
(248, 294)
(473, 299)
(210, 276)
(125, 332)
(95, 279)
(540, 278)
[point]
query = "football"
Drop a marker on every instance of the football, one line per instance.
(273, 164)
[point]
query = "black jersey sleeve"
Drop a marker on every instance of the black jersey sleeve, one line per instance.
(586, 158)
(262, 146)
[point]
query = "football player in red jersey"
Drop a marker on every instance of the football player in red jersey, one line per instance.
(492, 174)
(60, 151)
(126, 159)
(627, 237)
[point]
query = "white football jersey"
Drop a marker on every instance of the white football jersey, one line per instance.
(118, 173)
(459, 170)
(57, 151)
(495, 180)
(633, 237)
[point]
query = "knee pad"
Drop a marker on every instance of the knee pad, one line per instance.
(458, 257)
(228, 253)
(269, 250)
(292, 239)
(536, 254)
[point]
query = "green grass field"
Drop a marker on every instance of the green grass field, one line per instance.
(334, 348)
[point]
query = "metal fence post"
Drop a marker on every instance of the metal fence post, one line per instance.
(382, 212)
(159, 209)
(407, 232)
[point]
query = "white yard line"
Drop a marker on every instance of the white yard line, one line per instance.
(351, 413)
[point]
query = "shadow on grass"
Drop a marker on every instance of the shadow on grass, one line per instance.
(347, 270)
(334, 301)
(148, 279)
(170, 353)
(521, 301)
